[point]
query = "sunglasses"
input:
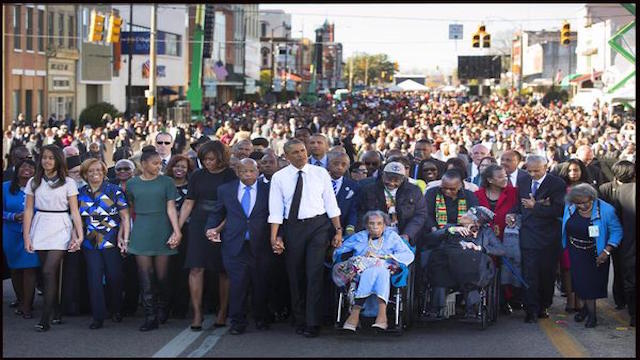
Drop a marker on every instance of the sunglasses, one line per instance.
(123, 169)
(163, 142)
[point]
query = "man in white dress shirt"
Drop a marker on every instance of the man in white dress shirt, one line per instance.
(302, 198)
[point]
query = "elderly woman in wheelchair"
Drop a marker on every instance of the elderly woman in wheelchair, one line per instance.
(462, 261)
(378, 252)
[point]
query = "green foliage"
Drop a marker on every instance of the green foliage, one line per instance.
(92, 114)
(554, 95)
(375, 66)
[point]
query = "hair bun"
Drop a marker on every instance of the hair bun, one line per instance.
(149, 149)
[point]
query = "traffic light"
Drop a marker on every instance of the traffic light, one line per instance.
(482, 29)
(486, 40)
(475, 40)
(395, 66)
(113, 30)
(96, 26)
(565, 34)
(151, 100)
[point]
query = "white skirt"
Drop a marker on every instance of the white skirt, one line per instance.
(51, 231)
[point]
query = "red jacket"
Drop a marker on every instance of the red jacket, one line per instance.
(506, 201)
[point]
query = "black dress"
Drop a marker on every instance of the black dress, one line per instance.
(203, 188)
(589, 280)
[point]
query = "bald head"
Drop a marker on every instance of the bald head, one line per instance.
(247, 170)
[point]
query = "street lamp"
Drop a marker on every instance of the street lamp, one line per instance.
(287, 27)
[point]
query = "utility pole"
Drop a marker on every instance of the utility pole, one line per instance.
(130, 42)
(152, 62)
(272, 62)
(351, 73)
(366, 70)
(244, 53)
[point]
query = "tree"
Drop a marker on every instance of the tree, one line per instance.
(375, 66)
(93, 114)
(265, 81)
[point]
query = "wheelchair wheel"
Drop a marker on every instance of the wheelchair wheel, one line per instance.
(496, 297)
(407, 303)
(484, 309)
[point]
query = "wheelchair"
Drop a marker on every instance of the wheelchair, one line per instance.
(488, 306)
(399, 307)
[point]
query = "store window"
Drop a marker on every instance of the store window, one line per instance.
(172, 44)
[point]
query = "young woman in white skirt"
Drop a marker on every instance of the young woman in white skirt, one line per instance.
(53, 196)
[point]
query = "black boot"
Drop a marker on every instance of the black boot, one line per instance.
(592, 321)
(581, 315)
(149, 306)
(163, 311)
(631, 304)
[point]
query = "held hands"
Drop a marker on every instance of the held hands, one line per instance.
(75, 243)
(510, 220)
(19, 217)
(277, 245)
(602, 258)
(174, 240)
(213, 235)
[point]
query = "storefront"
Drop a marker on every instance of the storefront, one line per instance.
(61, 84)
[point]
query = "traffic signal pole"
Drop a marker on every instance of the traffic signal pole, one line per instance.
(130, 42)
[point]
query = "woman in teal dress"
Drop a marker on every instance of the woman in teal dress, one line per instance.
(155, 234)
(23, 265)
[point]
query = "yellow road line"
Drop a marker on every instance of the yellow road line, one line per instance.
(612, 313)
(566, 344)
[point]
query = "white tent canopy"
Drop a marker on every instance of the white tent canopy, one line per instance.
(410, 85)
(395, 88)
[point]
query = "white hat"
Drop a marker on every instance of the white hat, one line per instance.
(395, 168)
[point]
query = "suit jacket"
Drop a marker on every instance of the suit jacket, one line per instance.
(411, 207)
(233, 233)
(541, 225)
(521, 175)
(347, 202)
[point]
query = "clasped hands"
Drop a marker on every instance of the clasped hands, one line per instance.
(174, 240)
(531, 202)
(214, 234)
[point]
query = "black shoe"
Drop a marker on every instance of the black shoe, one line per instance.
(218, 325)
(506, 309)
(237, 330)
(14, 304)
(543, 314)
(620, 306)
(311, 331)
(163, 316)
(40, 327)
(530, 319)
(57, 320)
(262, 325)
(116, 317)
(581, 315)
(95, 325)
(591, 322)
(149, 325)
(300, 329)
(196, 327)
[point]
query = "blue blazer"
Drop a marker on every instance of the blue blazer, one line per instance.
(238, 223)
(347, 202)
(604, 217)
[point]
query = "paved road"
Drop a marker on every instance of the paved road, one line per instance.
(509, 337)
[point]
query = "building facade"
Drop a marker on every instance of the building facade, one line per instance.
(95, 64)
(24, 62)
(62, 56)
(330, 74)
(544, 56)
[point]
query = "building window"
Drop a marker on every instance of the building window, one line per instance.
(28, 102)
(172, 44)
(50, 17)
(29, 24)
(61, 30)
(263, 29)
(41, 102)
(16, 103)
(16, 27)
(72, 41)
(85, 25)
(40, 30)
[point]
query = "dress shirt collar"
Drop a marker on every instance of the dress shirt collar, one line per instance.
(241, 186)
(305, 168)
(539, 181)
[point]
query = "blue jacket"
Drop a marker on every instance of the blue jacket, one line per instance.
(604, 216)
(238, 223)
(347, 202)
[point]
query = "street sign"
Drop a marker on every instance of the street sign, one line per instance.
(455, 31)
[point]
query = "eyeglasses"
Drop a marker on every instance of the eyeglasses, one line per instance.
(163, 142)
(123, 169)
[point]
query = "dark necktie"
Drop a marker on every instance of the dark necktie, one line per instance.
(534, 190)
(297, 196)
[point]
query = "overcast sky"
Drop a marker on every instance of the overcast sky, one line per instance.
(416, 35)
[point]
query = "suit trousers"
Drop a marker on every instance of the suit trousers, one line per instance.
(306, 243)
(244, 270)
(108, 263)
(539, 272)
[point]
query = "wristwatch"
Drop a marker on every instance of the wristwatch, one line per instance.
(606, 252)
(338, 229)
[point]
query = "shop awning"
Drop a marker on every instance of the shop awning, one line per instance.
(567, 79)
(163, 90)
(291, 76)
(585, 77)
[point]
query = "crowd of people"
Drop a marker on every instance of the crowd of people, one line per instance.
(253, 202)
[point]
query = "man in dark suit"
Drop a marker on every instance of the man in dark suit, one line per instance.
(510, 160)
(318, 147)
(244, 204)
(422, 151)
(346, 190)
(541, 205)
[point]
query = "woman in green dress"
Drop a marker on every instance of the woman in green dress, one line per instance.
(155, 234)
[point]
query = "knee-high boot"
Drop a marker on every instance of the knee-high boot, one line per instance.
(148, 304)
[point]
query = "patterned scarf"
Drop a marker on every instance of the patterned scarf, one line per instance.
(441, 210)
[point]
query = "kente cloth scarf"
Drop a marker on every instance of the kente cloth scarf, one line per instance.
(441, 210)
